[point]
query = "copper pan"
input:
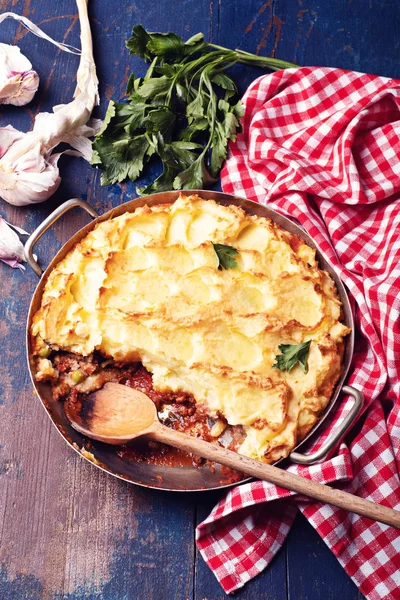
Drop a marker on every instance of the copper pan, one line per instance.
(178, 478)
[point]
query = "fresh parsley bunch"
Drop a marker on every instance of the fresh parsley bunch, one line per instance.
(184, 110)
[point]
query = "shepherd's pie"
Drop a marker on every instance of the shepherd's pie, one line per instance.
(150, 287)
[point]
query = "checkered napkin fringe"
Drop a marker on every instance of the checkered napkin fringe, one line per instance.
(322, 146)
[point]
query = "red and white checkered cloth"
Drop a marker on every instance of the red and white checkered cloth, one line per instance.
(322, 146)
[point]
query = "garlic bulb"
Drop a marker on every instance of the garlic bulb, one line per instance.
(11, 248)
(28, 170)
(18, 82)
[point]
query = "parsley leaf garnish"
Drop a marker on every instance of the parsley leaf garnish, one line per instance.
(183, 111)
(291, 355)
(225, 255)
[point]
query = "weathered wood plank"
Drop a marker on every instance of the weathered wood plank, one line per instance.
(313, 571)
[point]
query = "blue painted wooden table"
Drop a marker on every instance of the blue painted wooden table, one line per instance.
(67, 530)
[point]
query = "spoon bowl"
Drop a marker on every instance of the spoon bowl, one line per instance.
(116, 414)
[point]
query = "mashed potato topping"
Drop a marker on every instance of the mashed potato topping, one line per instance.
(145, 286)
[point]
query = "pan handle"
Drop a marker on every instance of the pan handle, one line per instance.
(47, 223)
(319, 455)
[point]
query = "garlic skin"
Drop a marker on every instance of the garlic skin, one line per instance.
(28, 171)
(18, 82)
(11, 248)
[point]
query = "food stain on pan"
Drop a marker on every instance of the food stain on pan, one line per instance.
(87, 454)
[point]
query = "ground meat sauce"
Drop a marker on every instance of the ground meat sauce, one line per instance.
(78, 376)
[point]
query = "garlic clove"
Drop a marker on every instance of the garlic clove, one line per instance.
(18, 82)
(20, 89)
(30, 179)
(11, 248)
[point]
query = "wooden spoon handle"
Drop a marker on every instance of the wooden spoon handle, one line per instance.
(279, 477)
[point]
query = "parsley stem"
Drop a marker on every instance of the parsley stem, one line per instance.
(252, 59)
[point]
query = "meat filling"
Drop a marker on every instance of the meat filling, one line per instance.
(72, 377)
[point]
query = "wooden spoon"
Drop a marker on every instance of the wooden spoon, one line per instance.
(117, 414)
